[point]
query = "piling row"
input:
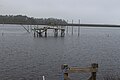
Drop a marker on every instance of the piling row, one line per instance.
(39, 32)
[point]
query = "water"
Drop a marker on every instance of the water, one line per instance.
(23, 57)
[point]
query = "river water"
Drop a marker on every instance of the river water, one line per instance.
(24, 57)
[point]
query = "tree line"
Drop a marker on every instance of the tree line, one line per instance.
(20, 19)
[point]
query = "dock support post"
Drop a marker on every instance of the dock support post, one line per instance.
(67, 28)
(72, 27)
(34, 33)
(94, 65)
(56, 33)
(79, 29)
(28, 28)
(93, 74)
(45, 32)
(40, 33)
(37, 33)
(62, 32)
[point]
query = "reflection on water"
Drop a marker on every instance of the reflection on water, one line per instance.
(23, 57)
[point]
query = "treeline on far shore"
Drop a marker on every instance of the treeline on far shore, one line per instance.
(20, 19)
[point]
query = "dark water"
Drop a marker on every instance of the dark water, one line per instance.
(23, 57)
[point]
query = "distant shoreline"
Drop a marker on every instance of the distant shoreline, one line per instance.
(75, 25)
(24, 20)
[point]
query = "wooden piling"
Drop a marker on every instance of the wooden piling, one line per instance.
(28, 28)
(45, 32)
(93, 74)
(72, 27)
(56, 33)
(34, 33)
(40, 33)
(67, 28)
(79, 29)
(37, 33)
(62, 32)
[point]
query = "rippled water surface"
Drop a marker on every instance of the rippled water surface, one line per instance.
(24, 57)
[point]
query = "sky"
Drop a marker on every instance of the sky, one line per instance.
(88, 11)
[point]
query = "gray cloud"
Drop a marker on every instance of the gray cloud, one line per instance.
(89, 11)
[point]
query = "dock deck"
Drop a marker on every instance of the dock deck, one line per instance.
(40, 31)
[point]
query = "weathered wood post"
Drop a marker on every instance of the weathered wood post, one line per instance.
(56, 33)
(62, 32)
(34, 33)
(40, 33)
(64, 68)
(45, 32)
(28, 28)
(79, 29)
(72, 27)
(37, 33)
(94, 66)
(67, 27)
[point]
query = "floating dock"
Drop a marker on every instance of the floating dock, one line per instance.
(66, 70)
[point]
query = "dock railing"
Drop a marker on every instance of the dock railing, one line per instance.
(67, 70)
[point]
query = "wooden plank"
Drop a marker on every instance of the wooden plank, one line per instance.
(80, 70)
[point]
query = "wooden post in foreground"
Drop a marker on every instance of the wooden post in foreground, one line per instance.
(66, 70)
(93, 74)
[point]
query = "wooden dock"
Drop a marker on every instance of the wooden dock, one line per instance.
(40, 31)
(66, 70)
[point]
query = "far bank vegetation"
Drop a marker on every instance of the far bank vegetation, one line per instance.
(20, 19)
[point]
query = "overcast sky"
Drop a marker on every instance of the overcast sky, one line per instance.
(88, 11)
